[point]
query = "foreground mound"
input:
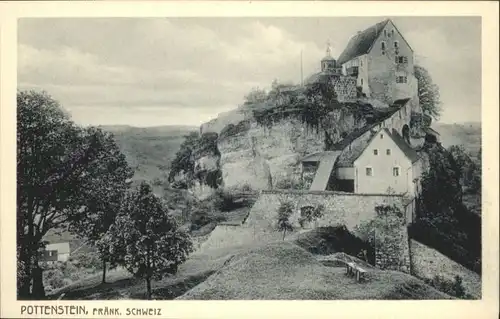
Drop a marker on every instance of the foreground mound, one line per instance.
(286, 271)
(335, 239)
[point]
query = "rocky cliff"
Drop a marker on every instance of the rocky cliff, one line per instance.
(263, 156)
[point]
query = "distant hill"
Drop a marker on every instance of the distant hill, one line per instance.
(466, 134)
(149, 149)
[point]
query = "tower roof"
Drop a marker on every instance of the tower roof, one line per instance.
(362, 42)
(328, 56)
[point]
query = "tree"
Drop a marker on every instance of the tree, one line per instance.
(428, 93)
(470, 172)
(61, 170)
(256, 96)
(441, 188)
(183, 163)
(145, 239)
(285, 211)
(310, 214)
(102, 202)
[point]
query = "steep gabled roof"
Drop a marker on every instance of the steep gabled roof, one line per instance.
(362, 42)
(409, 152)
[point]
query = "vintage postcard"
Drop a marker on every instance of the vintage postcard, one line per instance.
(160, 157)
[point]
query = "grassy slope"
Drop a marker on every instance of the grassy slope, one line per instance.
(286, 271)
(274, 271)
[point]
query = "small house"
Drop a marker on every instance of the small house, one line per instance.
(55, 252)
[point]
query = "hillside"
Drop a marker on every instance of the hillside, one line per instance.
(263, 272)
(466, 134)
(149, 150)
(271, 272)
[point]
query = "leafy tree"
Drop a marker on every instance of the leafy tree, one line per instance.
(61, 170)
(256, 96)
(428, 92)
(310, 214)
(443, 221)
(103, 201)
(145, 239)
(285, 211)
(441, 188)
(470, 172)
(183, 163)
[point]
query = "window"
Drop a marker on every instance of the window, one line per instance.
(401, 79)
(401, 59)
(396, 44)
(361, 81)
(381, 136)
(385, 33)
(382, 46)
(375, 152)
(395, 171)
(388, 151)
(369, 171)
(392, 33)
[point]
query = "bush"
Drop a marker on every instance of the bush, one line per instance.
(453, 288)
(290, 183)
(231, 129)
(309, 214)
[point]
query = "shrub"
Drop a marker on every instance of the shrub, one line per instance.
(290, 183)
(451, 287)
(309, 214)
(285, 211)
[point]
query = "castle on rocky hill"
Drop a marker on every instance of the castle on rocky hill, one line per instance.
(378, 65)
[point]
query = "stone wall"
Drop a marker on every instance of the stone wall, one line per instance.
(427, 263)
(347, 209)
(345, 88)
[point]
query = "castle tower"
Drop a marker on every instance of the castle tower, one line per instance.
(328, 63)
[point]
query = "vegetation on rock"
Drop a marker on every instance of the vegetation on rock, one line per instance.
(428, 93)
(184, 171)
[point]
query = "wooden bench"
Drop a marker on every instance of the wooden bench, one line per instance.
(353, 269)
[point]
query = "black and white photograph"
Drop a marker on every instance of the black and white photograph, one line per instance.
(249, 158)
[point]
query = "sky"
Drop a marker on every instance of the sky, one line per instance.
(185, 71)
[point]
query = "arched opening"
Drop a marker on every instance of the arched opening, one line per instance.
(406, 133)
